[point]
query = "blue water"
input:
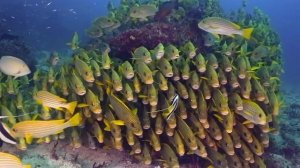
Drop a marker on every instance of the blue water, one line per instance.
(284, 16)
(49, 24)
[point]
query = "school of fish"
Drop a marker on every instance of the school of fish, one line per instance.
(165, 102)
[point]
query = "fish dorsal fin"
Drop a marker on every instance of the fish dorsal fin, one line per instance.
(236, 26)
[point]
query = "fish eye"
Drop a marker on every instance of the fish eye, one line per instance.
(166, 67)
(255, 146)
(245, 134)
(220, 104)
(134, 11)
(236, 101)
(173, 51)
(170, 159)
(213, 129)
(144, 74)
(86, 73)
(235, 163)
(14, 130)
(219, 162)
(259, 115)
(189, 140)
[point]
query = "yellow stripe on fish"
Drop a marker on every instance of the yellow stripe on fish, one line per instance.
(48, 99)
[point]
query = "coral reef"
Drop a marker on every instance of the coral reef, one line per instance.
(175, 97)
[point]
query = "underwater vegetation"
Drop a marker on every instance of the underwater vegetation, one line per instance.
(162, 80)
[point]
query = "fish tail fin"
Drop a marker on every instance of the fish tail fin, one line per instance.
(247, 33)
(71, 106)
(74, 121)
(26, 166)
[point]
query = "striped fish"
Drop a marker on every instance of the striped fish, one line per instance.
(216, 25)
(5, 135)
(125, 114)
(252, 112)
(39, 129)
(48, 99)
(11, 161)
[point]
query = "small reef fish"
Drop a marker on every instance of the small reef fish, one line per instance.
(74, 44)
(40, 129)
(54, 59)
(5, 134)
(48, 99)
(13, 66)
(11, 161)
(142, 12)
(220, 26)
(252, 112)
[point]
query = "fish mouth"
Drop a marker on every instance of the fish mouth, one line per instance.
(170, 74)
(215, 66)
(130, 75)
(224, 82)
(246, 96)
(97, 111)
(263, 122)
(240, 108)
(160, 55)
(130, 98)
(149, 82)
(238, 146)
(153, 103)
(215, 85)
(91, 80)
(228, 69)
(218, 137)
(267, 84)
(235, 85)
(242, 76)
(185, 77)
(148, 61)
(229, 131)
(230, 153)
(165, 88)
(194, 147)
(176, 78)
(203, 69)
(175, 57)
(195, 87)
(207, 97)
(261, 98)
(139, 133)
(81, 93)
(259, 153)
(224, 112)
(119, 88)
(192, 54)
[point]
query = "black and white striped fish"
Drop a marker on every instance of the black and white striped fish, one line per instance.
(5, 135)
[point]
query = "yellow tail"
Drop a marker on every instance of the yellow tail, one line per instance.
(74, 121)
(247, 33)
(26, 166)
(71, 107)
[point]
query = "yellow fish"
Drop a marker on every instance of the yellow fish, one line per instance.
(8, 160)
(40, 129)
(48, 99)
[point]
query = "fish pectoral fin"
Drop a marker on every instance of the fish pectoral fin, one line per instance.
(247, 122)
(134, 111)
(216, 35)
(28, 138)
(40, 140)
(107, 125)
(81, 105)
(118, 122)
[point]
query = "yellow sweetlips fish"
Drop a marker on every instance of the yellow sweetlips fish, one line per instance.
(48, 99)
(252, 112)
(220, 26)
(11, 161)
(40, 129)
